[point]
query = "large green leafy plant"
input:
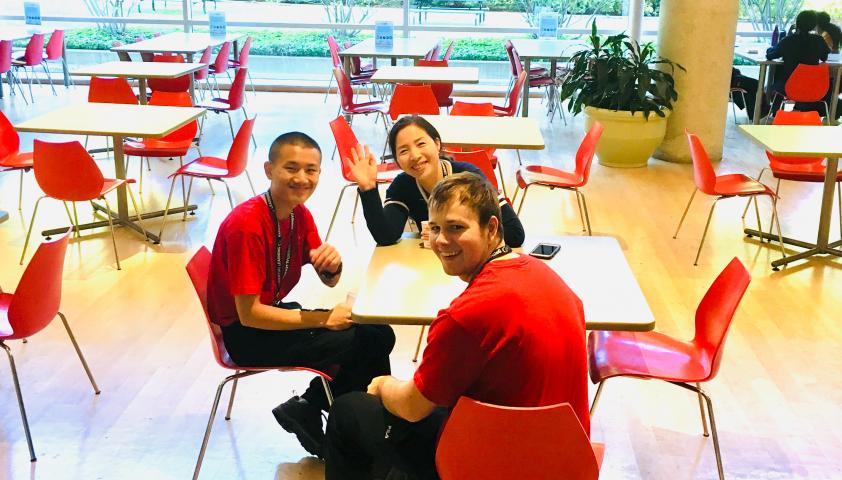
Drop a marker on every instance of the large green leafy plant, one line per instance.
(615, 73)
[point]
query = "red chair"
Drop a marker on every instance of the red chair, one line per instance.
(345, 143)
(357, 68)
(32, 307)
(175, 144)
(477, 158)
(433, 54)
(220, 66)
(538, 77)
(448, 52)
(111, 90)
(732, 94)
(11, 158)
(442, 91)
(233, 102)
(53, 52)
(6, 68)
(347, 106)
(65, 171)
(536, 443)
(486, 109)
(414, 100)
(215, 168)
(123, 56)
(806, 84)
(364, 78)
(555, 178)
(243, 61)
(198, 270)
(178, 84)
(512, 105)
(32, 57)
(203, 73)
(724, 186)
(653, 355)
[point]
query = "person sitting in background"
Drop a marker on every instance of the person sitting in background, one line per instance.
(800, 47)
(416, 146)
(830, 32)
(500, 341)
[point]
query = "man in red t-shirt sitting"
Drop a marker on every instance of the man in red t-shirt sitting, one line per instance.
(514, 337)
(256, 261)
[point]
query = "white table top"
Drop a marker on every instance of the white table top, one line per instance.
(797, 140)
(112, 119)
(546, 48)
(490, 132)
(405, 284)
(401, 48)
(177, 42)
(426, 75)
(757, 54)
(139, 69)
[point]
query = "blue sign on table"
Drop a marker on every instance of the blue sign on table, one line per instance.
(217, 23)
(548, 25)
(384, 34)
(32, 13)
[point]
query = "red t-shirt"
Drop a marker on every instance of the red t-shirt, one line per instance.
(243, 258)
(514, 337)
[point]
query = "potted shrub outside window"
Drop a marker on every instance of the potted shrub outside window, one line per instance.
(613, 82)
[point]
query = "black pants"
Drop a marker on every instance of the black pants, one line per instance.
(361, 353)
(365, 441)
(750, 86)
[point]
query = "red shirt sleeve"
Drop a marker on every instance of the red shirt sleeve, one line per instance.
(246, 262)
(312, 240)
(452, 362)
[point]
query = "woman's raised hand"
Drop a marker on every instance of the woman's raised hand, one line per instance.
(363, 167)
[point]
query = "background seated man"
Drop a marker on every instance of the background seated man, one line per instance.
(500, 342)
(256, 261)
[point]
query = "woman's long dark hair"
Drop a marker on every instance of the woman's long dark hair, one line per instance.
(834, 31)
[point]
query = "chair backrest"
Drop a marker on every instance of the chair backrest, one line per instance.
(448, 52)
(238, 155)
(356, 63)
(111, 90)
(514, 58)
(539, 443)
(205, 58)
(442, 91)
(243, 57)
(469, 109)
(178, 84)
(5, 56)
(344, 89)
(433, 53)
(413, 99)
(334, 51)
(586, 150)
(513, 101)
(34, 50)
(123, 56)
(236, 95)
(477, 158)
(220, 63)
(198, 269)
(703, 174)
(345, 140)
(783, 117)
(808, 83)
(176, 99)
(716, 310)
(37, 298)
(65, 171)
(9, 139)
(55, 45)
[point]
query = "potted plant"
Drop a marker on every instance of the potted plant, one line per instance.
(613, 82)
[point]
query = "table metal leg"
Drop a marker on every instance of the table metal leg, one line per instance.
(141, 86)
(64, 65)
(758, 99)
(524, 105)
(192, 87)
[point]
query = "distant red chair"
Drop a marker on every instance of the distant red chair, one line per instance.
(512, 105)
(724, 186)
(215, 168)
(555, 178)
(653, 355)
(65, 171)
(198, 270)
(6, 68)
(32, 57)
(442, 91)
(538, 77)
(345, 143)
(220, 65)
(364, 78)
(243, 61)
(178, 84)
(32, 307)
(347, 105)
(448, 53)
(433, 54)
(477, 158)
(235, 101)
(11, 158)
(110, 90)
(485, 109)
(53, 52)
(538, 443)
(357, 68)
(203, 73)
(413, 100)
(806, 84)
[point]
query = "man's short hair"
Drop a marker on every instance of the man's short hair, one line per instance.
(292, 138)
(806, 21)
(471, 190)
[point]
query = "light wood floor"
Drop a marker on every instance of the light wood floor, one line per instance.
(777, 396)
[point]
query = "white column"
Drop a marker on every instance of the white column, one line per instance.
(635, 18)
(700, 36)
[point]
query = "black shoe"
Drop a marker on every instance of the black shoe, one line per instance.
(298, 417)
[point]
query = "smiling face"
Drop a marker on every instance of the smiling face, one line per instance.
(417, 153)
(458, 239)
(294, 174)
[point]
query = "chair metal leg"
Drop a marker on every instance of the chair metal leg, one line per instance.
(702, 411)
(520, 206)
(231, 398)
(748, 203)
(777, 221)
(704, 234)
(230, 124)
(251, 82)
(251, 184)
(686, 209)
(328, 393)
(29, 230)
(585, 209)
(137, 211)
(354, 211)
(79, 353)
(228, 190)
(418, 345)
(336, 209)
(111, 227)
(596, 398)
(20, 401)
(757, 214)
(20, 192)
(709, 403)
(167, 209)
(839, 205)
(210, 185)
(49, 79)
(70, 218)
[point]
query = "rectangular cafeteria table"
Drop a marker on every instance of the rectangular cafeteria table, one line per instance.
(142, 71)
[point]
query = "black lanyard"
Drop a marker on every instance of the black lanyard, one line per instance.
(496, 253)
(281, 265)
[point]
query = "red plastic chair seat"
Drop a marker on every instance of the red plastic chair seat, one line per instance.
(549, 176)
(645, 355)
(154, 147)
(109, 184)
(6, 330)
(801, 172)
(16, 161)
(737, 184)
(541, 81)
(216, 104)
(205, 167)
(369, 107)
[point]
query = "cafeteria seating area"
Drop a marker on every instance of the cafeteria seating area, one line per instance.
(143, 333)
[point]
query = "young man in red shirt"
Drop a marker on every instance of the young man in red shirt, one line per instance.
(257, 259)
(514, 337)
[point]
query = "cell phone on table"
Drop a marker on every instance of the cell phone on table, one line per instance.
(545, 251)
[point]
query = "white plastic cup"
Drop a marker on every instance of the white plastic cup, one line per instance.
(350, 298)
(425, 233)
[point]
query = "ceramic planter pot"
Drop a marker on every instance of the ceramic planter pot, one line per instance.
(628, 140)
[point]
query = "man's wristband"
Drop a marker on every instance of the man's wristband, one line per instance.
(329, 275)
